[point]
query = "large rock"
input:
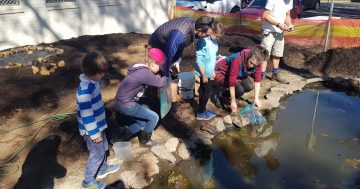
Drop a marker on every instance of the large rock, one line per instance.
(183, 152)
(161, 152)
(218, 123)
(172, 144)
(201, 137)
(131, 179)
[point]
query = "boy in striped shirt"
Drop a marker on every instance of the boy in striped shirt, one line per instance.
(92, 120)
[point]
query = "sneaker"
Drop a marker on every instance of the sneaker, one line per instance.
(207, 115)
(110, 169)
(96, 184)
(276, 77)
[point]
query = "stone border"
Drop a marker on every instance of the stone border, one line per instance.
(40, 64)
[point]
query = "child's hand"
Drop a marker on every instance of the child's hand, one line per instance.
(213, 76)
(98, 140)
(258, 103)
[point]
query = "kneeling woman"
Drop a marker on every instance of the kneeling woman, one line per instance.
(233, 72)
(133, 87)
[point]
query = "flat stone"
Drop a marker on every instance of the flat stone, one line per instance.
(274, 96)
(183, 152)
(266, 104)
(131, 179)
(314, 80)
(297, 85)
(280, 90)
(172, 144)
(227, 120)
(161, 152)
(148, 157)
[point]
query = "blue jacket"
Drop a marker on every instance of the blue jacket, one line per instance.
(206, 51)
(90, 108)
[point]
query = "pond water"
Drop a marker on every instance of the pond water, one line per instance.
(297, 148)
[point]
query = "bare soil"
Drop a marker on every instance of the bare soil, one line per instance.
(26, 97)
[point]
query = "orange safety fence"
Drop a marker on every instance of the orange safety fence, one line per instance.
(308, 32)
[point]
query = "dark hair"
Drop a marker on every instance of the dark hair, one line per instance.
(94, 63)
(260, 53)
(218, 28)
(204, 23)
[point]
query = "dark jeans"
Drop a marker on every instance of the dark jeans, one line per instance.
(205, 92)
(142, 117)
(97, 157)
(243, 86)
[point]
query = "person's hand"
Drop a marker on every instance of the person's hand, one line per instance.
(233, 106)
(291, 27)
(98, 140)
(204, 79)
(283, 27)
(258, 103)
(213, 76)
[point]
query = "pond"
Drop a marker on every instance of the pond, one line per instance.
(311, 141)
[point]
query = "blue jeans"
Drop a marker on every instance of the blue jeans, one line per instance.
(142, 117)
(97, 157)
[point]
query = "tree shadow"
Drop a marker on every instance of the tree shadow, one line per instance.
(41, 167)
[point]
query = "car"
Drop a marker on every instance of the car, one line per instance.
(256, 8)
(310, 4)
(222, 6)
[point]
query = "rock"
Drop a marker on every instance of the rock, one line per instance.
(44, 71)
(201, 137)
(52, 69)
(238, 120)
(30, 52)
(35, 69)
(274, 96)
(346, 84)
(61, 63)
(148, 157)
(218, 123)
(279, 90)
(338, 80)
(171, 144)
(161, 152)
(227, 120)
(40, 48)
(131, 179)
(60, 51)
(49, 49)
(314, 80)
(265, 104)
(297, 85)
(183, 152)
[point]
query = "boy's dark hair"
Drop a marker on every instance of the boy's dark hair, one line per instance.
(219, 28)
(94, 63)
(204, 23)
(260, 53)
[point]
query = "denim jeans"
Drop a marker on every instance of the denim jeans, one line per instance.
(97, 157)
(142, 117)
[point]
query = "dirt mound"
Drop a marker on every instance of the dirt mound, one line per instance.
(336, 62)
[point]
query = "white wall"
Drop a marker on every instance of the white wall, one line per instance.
(36, 23)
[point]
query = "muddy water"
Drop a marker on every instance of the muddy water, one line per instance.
(297, 148)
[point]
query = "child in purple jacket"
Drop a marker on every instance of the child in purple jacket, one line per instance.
(133, 87)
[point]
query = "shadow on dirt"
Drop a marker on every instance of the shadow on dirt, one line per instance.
(41, 166)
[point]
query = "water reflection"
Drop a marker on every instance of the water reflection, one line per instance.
(274, 155)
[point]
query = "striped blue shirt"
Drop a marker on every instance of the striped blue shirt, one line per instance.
(90, 108)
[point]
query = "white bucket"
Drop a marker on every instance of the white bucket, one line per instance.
(186, 85)
(122, 150)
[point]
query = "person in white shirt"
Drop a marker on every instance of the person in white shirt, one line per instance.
(277, 20)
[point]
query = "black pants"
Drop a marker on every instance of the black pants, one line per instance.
(205, 92)
(243, 86)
